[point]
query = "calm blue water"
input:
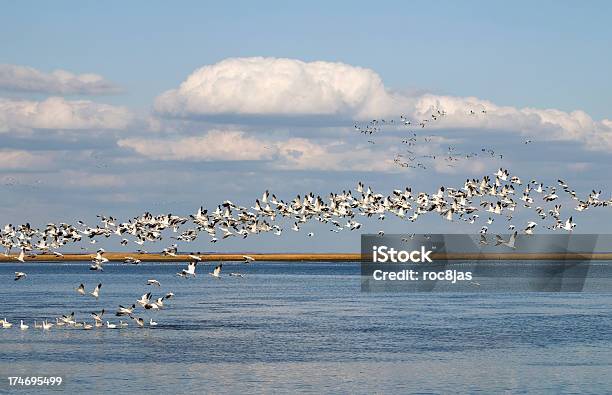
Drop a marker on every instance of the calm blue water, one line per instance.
(293, 327)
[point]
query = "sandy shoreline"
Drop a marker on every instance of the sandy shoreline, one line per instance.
(304, 257)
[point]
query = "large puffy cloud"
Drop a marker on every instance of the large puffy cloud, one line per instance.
(272, 86)
(28, 79)
(58, 113)
(288, 154)
(287, 87)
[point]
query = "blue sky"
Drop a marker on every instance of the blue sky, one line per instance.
(547, 55)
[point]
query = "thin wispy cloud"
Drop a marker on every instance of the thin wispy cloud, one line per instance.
(280, 154)
(24, 160)
(57, 113)
(59, 82)
(215, 145)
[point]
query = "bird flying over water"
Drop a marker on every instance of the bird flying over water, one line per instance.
(125, 310)
(217, 271)
(20, 275)
(190, 271)
(96, 292)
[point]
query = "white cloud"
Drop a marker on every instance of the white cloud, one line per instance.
(58, 113)
(274, 86)
(304, 154)
(85, 179)
(290, 87)
(20, 160)
(543, 124)
(28, 79)
(579, 167)
(216, 145)
(289, 154)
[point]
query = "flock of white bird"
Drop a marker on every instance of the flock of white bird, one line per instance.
(492, 197)
(413, 155)
(146, 301)
(489, 197)
(478, 201)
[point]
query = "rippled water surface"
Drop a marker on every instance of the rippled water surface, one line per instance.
(307, 327)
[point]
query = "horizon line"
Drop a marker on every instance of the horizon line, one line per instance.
(296, 257)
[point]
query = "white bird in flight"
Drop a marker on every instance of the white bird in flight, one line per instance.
(510, 243)
(96, 292)
(216, 273)
(190, 271)
(20, 275)
(153, 282)
(125, 310)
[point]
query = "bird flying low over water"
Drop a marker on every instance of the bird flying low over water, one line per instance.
(190, 271)
(96, 292)
(248, 259)
(139, 321)
(217, 271)
(81, 289)
(67, 319)
(144, 299)
(98, 261)
(20, 275)
(98, 316)
(153, 282)
(125, 310)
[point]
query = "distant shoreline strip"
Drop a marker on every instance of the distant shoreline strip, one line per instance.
(308, 257)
